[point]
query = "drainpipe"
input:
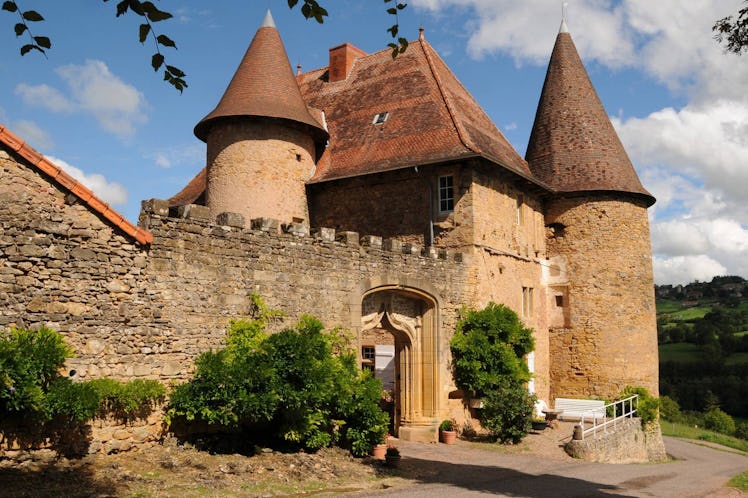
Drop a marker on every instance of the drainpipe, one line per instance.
(431, 209)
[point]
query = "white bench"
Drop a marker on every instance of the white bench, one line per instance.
(589, 409)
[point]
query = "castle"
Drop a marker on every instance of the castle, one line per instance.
(374, 193)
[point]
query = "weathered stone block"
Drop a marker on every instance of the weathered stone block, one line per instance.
(193, 212)
(231, 219)
(326, 234)
(393, 245)
(372, 241)
(265, 224)
(159, 207)
(347, 238)
(298, 229)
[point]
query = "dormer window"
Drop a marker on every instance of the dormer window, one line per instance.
(380, 118)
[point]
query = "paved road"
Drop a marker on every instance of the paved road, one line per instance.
(458, 471)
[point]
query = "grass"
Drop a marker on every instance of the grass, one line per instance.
(690, 432)
(740, 481)
(684, 352)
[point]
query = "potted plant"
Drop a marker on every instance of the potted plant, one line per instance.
(447, 432)
(539, 424)
(378, 451)
(392, 456)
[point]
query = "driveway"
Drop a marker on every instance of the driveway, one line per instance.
(467, 470)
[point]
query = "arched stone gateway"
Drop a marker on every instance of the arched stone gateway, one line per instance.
(399, 337)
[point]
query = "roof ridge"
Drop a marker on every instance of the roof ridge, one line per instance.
(37, 160)
(461, 133)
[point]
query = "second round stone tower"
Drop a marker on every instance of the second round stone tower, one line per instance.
(604, 334)
(262, 140)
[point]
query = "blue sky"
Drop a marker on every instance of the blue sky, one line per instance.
(678, 102)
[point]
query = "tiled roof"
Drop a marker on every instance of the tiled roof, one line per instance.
(573, 146)
(14, 143)
(431, 116)
(193, 193)
(264, 86)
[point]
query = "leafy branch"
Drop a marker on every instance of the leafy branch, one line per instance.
(151, 14)
(402, 42)
(310, 10)
(39, 43)
(735, 33)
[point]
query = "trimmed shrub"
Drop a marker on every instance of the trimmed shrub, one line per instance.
(717, 420)
(489, 346)
(741, 430)
(289, 386)
(508, 412)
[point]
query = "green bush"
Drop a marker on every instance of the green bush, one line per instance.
(508, 412)
(290, 385)
(489, 347)
(29, 362)
(75, 401)
(670, 410)
(127, 399)
(741, 430)
(648, 407)
(717, 420)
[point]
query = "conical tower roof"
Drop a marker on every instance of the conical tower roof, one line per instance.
(573, 146)
(264, 86)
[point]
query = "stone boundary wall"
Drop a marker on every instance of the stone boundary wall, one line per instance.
(102, 435)
(626, 442)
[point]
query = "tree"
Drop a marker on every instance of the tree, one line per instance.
(150, 14)
(733, 31)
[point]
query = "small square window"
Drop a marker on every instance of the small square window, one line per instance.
(380, 118)
(368, 352)
(446, 194)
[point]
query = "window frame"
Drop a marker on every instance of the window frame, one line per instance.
(446, 193)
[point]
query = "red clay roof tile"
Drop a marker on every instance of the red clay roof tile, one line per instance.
(50, 169)
(573, 146)
(264, 86)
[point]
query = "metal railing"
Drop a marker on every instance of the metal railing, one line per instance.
(625, 408)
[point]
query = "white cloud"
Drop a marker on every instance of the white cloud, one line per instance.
(93, 89)
(685, 269)
(110, 192)
(192, 154)
(44, 96)
(33, 134)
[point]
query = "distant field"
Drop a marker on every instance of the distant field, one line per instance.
(682, 352)
(737, 359)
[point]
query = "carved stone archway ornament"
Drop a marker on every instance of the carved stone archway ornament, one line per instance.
(411, 316)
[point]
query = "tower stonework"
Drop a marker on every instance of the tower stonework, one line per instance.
(262, 140)
(597, 239)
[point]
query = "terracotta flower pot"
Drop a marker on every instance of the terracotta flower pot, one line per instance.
(378, 451)
(448, 437)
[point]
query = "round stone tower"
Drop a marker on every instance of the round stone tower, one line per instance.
(600, 276)
(262, 141)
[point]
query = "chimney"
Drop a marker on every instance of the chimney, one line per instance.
(341, 61)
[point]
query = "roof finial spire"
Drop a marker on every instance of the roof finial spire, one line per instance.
(563, 28)
(268, 22)
(421, 35)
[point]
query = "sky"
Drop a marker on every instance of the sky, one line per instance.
(678, 102)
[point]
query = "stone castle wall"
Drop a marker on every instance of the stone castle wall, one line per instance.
(601, 253)
(130, 311)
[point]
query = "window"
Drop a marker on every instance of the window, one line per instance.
(446, 194)
(368, 358)
(559, 301)
(380, 118)
(520, 201)
(527, 301)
